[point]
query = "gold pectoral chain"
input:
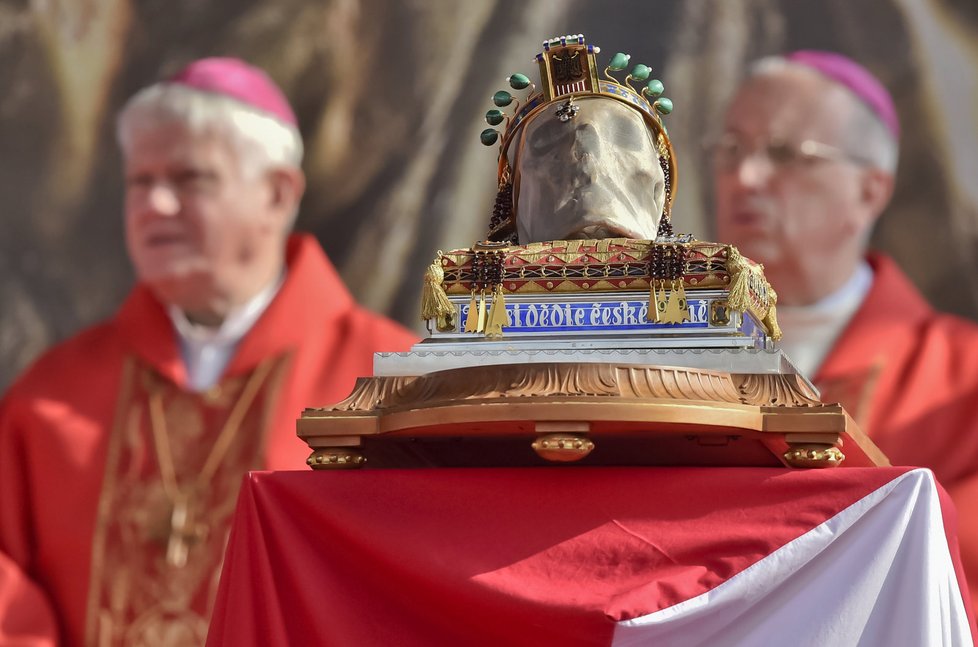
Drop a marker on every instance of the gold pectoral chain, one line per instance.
(184, 528)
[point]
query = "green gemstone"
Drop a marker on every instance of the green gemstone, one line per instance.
(618, 62)
(488, 136)
(654, 88)
(663, 105)
(519, 81)
(640, 72)
(502, 98)
(494, 117)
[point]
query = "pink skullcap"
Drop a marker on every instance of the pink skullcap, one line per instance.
(856, 78)
(236, 79)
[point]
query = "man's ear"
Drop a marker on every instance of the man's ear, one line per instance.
(287, 186)
(876, 191)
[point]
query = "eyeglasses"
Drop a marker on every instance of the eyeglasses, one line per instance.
(730, 151)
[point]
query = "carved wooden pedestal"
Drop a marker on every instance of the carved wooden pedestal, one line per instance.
(599, 414)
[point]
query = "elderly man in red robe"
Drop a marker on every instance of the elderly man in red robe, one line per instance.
(122, 449)
(803, 170)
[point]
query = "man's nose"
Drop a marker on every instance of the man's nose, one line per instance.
(753, 170)
(163, 199)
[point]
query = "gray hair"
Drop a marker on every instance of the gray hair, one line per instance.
(865, 132)
(260, 141)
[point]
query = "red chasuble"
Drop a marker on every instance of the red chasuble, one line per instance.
(909, 376)
(117, 484)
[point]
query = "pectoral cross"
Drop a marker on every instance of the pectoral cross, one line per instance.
(184, 532)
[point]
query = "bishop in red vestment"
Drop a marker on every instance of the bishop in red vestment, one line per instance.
(122, 449)
(804, 168)
(909, 376)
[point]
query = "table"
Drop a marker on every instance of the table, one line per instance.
(593, 556)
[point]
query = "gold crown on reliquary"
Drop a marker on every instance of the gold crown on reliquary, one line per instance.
(568, 71)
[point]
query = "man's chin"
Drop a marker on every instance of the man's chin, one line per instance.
(178, 285)
(156, 270)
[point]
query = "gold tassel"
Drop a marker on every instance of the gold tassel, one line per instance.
(497, 314)
(771, 318)
(472, 319)
(434, 302)
(482, 312)
(740, 273)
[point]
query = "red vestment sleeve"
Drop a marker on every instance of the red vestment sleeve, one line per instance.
(26, 618)
(26, 614)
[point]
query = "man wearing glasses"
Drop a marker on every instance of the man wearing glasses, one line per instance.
(803, 169)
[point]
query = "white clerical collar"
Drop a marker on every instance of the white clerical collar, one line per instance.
(207, 350)
(811, 330)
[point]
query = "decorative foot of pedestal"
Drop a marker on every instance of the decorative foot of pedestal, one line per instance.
(563, 448)
(813, 455)
(335, 458)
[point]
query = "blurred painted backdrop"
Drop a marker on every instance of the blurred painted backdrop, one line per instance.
(390, 95)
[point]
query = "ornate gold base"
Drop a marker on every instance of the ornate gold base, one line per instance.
(599, 414)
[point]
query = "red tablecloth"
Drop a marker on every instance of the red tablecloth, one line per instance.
(592, 556)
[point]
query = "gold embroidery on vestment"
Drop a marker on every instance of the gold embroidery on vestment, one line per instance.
(167, 499)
